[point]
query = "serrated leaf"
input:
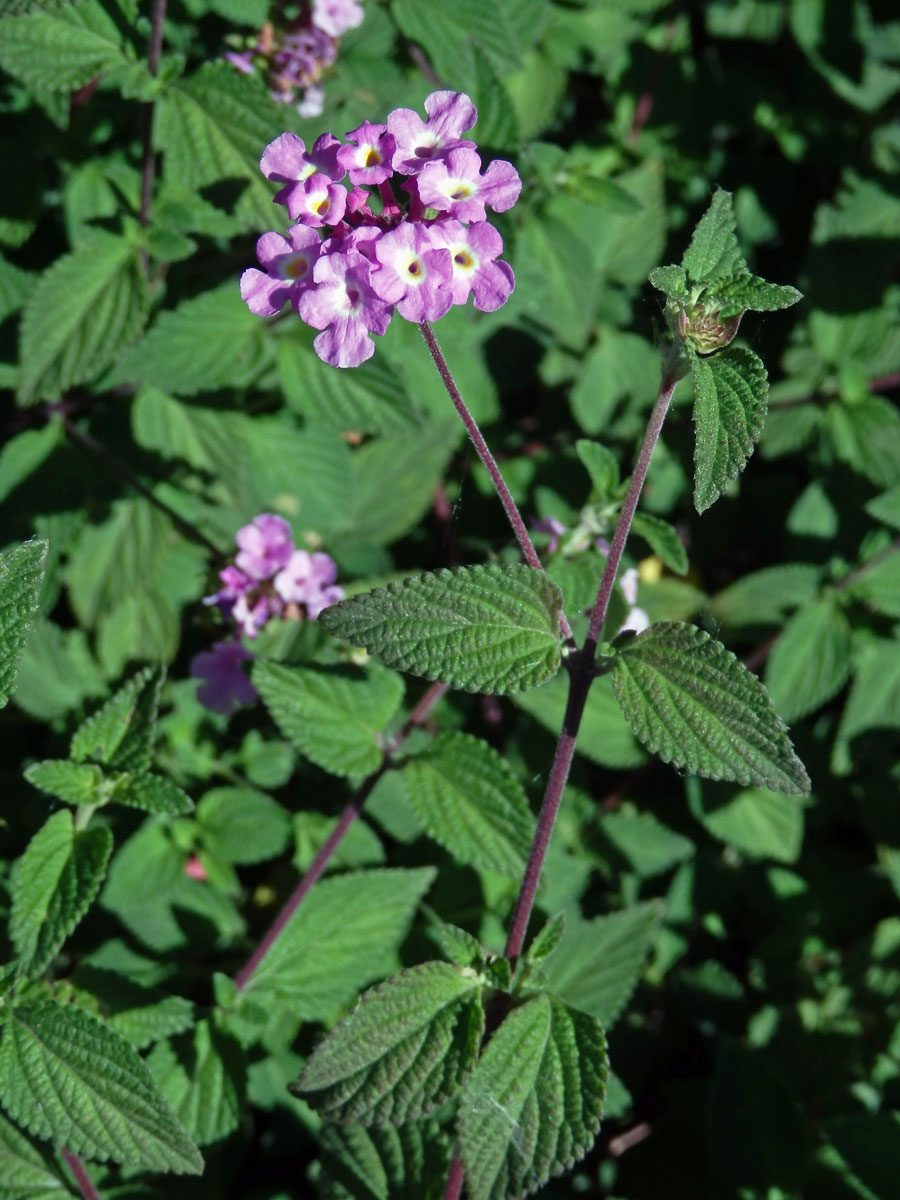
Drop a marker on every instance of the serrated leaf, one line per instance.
(501, 29)
(601, 464)
(459, 945)
(61, 51)
(599, 963)
(341, 938)
(66, 1077)
(208, 1098)
(604, 736)
(671, 280)
(480, 629)
(469, 800)
(714, 249)
(886, 507)
(766, 597)
(120, 734)
(810, 662)
(21, 579)
(546, 940)
(878, 584)
(152, 793)
(24, 1173)
(403, 1051)
(730, 395)
(742, 292)
(648, 846)
(756, 822)
(242, 825)
(382, 1163)
(531, 1108)
(697, 706)
(662, 540)
(334, 715)
(75, 783)
(83, 312)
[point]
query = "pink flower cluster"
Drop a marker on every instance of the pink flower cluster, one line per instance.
(294, 57)
(424, 246)
(268, 578)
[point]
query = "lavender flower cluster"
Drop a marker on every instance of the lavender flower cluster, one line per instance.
(427, 248)
(294, 56)
(268, 578)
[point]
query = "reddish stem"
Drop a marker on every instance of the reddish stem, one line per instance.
(455, 1179)
(148, 160)
(84, 1181)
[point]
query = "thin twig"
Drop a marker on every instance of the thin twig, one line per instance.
(454, 1179)
(490, 464)
(328, 849)
(148, 154)
(84, 1181)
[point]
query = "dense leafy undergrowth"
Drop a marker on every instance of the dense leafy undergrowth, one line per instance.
(733, 952)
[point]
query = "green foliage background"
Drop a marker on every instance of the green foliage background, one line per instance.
(741, 947)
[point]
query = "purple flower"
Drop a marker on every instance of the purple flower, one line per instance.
(344, 305)
(225, 686)
(335, 17)
(316, 201)
(473, 250)
(236, 583)
(253, 609)
(308, 579)
(454, 184)
(368, 158)
(414, 273)
(286, 160)
(265, 545)
(552, 526)
(288, 264)
(418, 142)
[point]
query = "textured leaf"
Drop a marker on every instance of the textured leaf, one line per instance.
(671, 280)
(598, 964)
(382, 1163)
(649, 847)
(84, 310)
(120, 734)
(334, 715)
(61, 50)
(403, 1051)
(469, 800)
(874, 700)
(21, 578)
(24, 1172)
(878, 584)
(662, 540)
(66, 1077)
(810, 662)
(697, 706)
(242, 825)
(152, 793)
(501, 29)
(342, 936)
(546, 940)
(531, 1108)
(604, 736)
(714, 251)
(756, 822)
(730, 394)
(480, 629)
(601, 464)
(75, 783)
(765, 597)
(56, 880)
(741, 292)
(208, 1097)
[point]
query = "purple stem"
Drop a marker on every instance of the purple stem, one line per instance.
(623, 526)
(148, 159)
(490, 463)
(317, 868)
(76, 1166)
(454, 1179)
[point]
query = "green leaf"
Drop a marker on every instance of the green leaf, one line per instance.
(57, 673)
(83, 312)
(66, 1077)
(878, 583)
(24, 454)
(598, 964)
(672, 280)
(874, 700)
(61, 51)
(810, 662)
(501, 29)
(15, 285)
(75, 783)
(604, 736)
(546, 940)
(601, 464)
(867, 436)
(393, 1162)
(120, 734)
(766, 597)
(24, 1172)
(209, 1097)
(648, 846)
(480, 629)
(714, 251)
(152, 793)
(469, 800)
(55, 882)
(695, 704)
(404, 1050)
(662, 540)
(756, 822)
(884, 508)
(334, 715)
(209, 342)
(868, 1143)
(343, 936)
(531, 1108)
(730, 394)
(743, 291)
(213, 125)
(242, 825)
(21, 579)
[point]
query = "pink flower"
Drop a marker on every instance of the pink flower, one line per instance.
(368, 158)
(473, 250)
(418, 141)
(344, 305)
(454, 184)
(415, 273)
(316, 201)
(335, 17)
(264, 545)
(225, 686)
(288, 264)
(308, 579)
(286, 160)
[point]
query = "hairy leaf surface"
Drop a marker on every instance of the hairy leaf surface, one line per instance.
(21, 577)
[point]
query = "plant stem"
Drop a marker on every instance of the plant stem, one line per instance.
(76, 1166)
(328, 849)
(623, 526)
(490, 463)
(148, 157)
(454, 1179)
